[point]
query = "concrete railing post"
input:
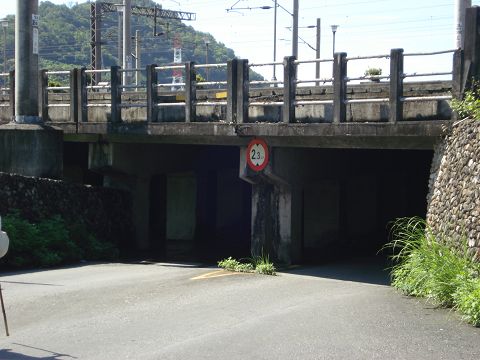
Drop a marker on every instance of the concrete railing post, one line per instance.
(116, 99)
(43, 91)
(339, 88)
(190, 92)
(73, 95)
(289, 88)
(11, 77)
(232, 93)
(396, 85)
(457, 74)
(243, 89)
(152, 93)
(471, 69)
(82, 95)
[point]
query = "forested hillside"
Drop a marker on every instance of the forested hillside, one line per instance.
(65, 39)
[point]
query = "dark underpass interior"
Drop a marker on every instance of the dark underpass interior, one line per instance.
(202, 210)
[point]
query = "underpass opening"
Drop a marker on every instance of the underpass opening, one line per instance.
(350, 198)
(200, 210)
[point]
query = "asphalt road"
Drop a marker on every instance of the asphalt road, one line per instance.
(169, 311)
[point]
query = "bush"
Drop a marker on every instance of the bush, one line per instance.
(467, 300)
(258, 264)
(51, 242)
(469, 107)
(373, 72)
(433, 267)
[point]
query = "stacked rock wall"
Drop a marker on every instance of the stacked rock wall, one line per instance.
(106, 212)
(454, 196)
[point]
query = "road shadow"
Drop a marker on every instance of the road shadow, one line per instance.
(9, 354)
(364, 270)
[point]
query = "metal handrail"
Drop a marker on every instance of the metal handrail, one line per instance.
(208, 66)
(314, 80)
(92, 71)
(430, 53)
(385, 56)
(369, 77)
(173, 84)
(426, 98)
(296, 62)
(427, 74)
(266, 64)
(266, 82)
(61, 72)
(170, 67)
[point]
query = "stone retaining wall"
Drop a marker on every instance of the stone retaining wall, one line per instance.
(106, 212)
(454, 196)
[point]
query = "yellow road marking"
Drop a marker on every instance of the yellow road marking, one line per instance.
(215, 274)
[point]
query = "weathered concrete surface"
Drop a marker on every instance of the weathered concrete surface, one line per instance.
(121, 311)
(424, 110)
(403, 135)
(31, 150)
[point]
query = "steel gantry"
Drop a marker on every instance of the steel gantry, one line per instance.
(99, 9)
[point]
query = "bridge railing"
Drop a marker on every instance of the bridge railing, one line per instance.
(235, 96)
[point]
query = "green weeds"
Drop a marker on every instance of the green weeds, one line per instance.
(259, 264)
(469, 106)
(51, 242)
(435, 268)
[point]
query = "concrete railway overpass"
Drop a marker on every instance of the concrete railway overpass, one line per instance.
(345, 158)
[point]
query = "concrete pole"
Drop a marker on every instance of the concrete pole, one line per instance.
(274, 77)
(459, 16)
(4, 26)
(138, 60)
(120, 40)
(127, 40)
(26, 62)
(295, 29)
(317, 65)
(207, 70)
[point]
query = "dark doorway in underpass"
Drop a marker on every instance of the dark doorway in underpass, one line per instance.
(352, 196)
(200, 211)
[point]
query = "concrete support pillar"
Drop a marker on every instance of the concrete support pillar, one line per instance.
(27, 146)
(273, 227)
(272, 221)
(31, 150)
(26, 62)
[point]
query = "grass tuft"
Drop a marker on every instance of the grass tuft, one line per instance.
(259, 264)
(434, 267)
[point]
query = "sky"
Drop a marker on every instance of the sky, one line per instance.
(366, 27)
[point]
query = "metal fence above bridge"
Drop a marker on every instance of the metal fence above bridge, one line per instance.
(234, 94)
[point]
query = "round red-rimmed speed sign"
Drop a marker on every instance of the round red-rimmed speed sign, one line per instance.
(257, 154)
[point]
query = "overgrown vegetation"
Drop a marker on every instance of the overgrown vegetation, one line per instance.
(51, 242)
(259, 264)
(469, 107)
(373, 72)
(434, 267)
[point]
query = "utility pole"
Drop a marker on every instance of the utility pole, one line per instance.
(317, 65)
(138, 60)
(5, 26)
(295, 29)
(274, 78)
(207, 70)
(334, 31)
(459, 15)
(127, 39)
(119, 34)
(26, 62)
